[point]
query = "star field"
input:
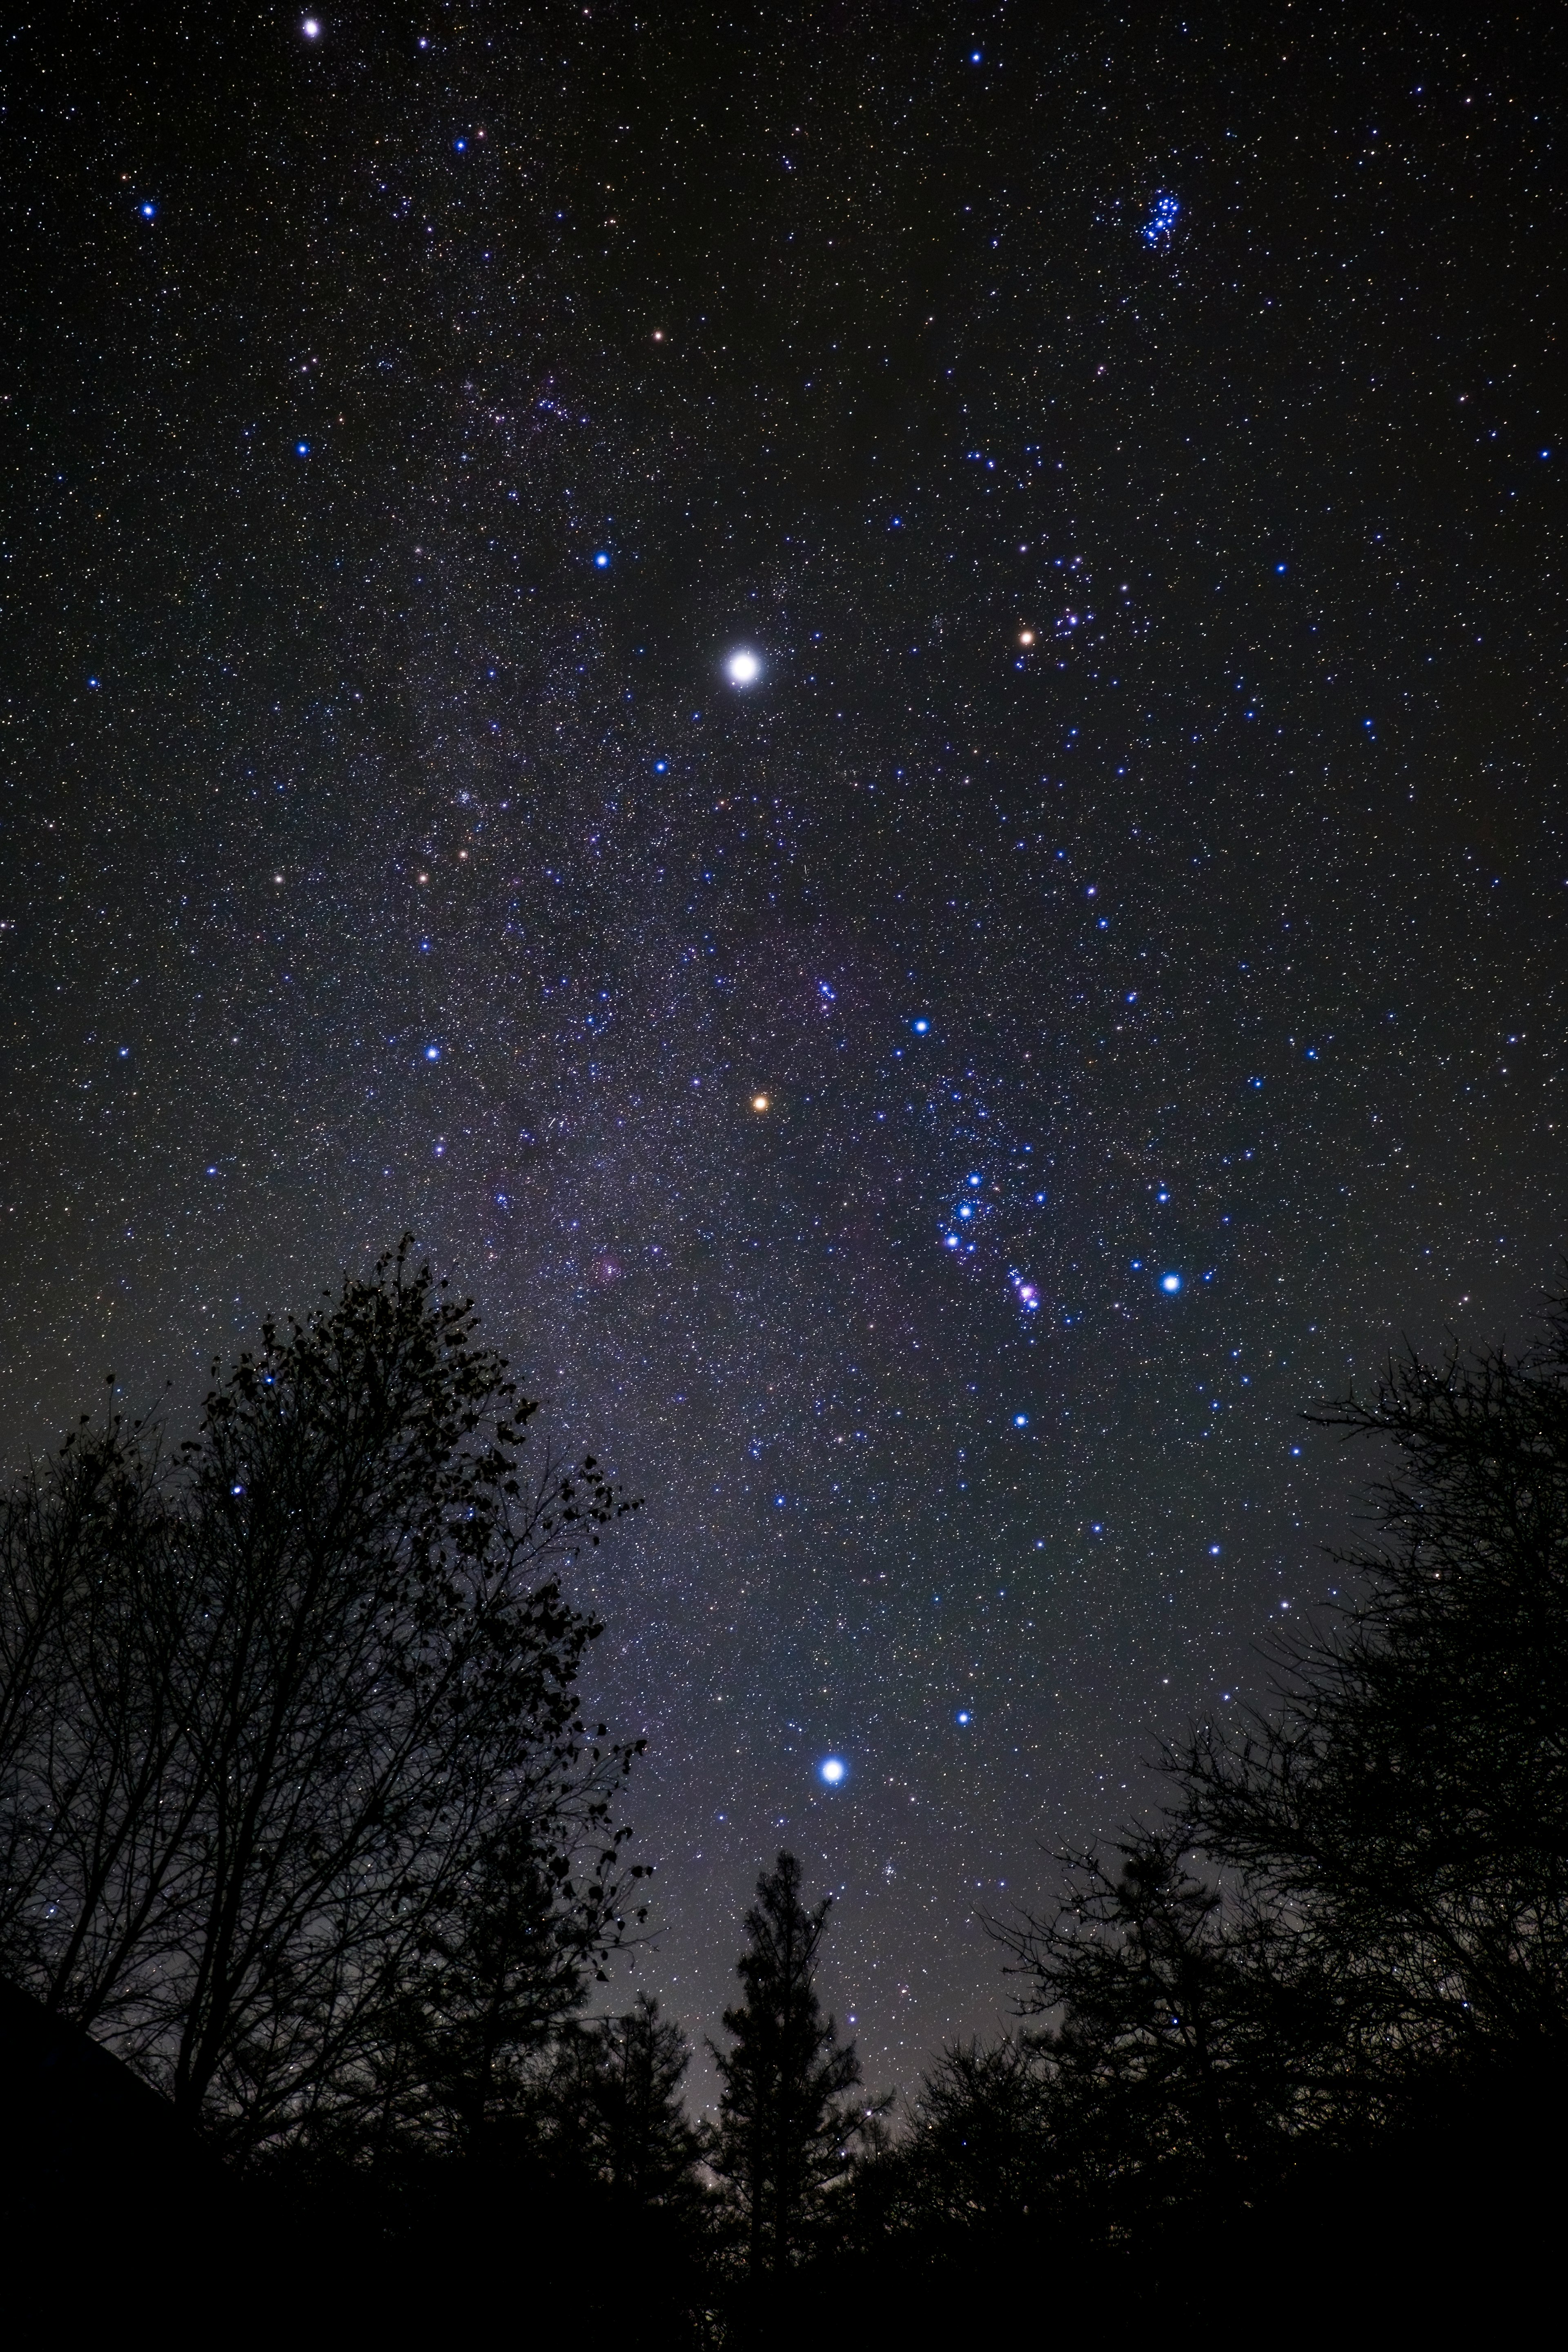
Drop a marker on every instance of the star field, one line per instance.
(868, 707)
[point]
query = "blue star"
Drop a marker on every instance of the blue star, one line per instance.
(1171, 1282)
(832, 1770)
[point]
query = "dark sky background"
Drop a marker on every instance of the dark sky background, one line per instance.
(1129, 440)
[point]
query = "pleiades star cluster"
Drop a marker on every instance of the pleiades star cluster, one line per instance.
(864, 701)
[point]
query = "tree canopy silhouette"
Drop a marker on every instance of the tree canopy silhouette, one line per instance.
(615, 2098)
(787, 2129)
(288, 1718)
(1340, 1958)
(1404, 1807)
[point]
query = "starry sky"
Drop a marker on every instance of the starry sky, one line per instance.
(929, 1101)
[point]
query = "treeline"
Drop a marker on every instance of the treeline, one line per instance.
(301, 1820)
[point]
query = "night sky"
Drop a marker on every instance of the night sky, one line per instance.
(931, 1112)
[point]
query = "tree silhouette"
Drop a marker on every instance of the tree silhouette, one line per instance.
(1334, 1976)
(1187, 2044)
(615, 2096)
(981, 2150)
(1407, 1806)
(279, 1716)
(469, 2029)
(785, 2129)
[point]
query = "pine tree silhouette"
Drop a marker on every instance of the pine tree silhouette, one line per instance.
(786, 2131)
(620, 2116)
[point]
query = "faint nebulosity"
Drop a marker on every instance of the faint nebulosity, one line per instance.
(865, 700)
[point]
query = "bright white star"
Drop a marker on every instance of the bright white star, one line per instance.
(833, 1769)
(743, 669)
